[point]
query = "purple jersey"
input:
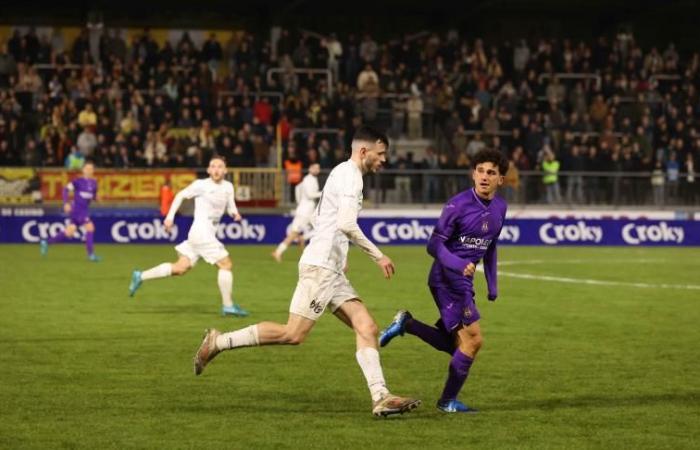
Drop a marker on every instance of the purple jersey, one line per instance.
(466, 232)
(84, 191)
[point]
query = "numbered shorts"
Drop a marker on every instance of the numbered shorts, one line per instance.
(301, 223)
(319, 288)
(210, 251)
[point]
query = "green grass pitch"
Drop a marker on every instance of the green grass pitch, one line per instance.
(564, 365)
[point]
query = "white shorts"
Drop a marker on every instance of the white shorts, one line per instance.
(301, 223)
(210, 251)
(319, 288)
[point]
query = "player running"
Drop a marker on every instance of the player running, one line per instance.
(466, 232)
(307, 193)
(84, 191)
(322, 282)
(212, 197)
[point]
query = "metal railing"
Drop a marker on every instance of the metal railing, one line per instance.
(256, 94)
(605, 189)
(326, 72)
(572, 76)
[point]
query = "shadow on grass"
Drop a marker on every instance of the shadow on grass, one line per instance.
(691, 398)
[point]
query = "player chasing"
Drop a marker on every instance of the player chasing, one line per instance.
(212, 197)
(307, 193)
(84, 190)
(322, 282)
(466, 232)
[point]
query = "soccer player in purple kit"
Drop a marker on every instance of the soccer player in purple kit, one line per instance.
(84, 191)
(466, 233)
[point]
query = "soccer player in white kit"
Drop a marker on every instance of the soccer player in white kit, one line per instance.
(307, 193)
(212, 197)
(322, 282)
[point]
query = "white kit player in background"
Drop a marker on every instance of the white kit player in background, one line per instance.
(322, 282)
(212, 197)
(307, 192)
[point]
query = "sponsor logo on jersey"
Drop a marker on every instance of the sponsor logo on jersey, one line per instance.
(579, 232)
(124, 231)
(413, 230)
(474, 242)
(636, 234)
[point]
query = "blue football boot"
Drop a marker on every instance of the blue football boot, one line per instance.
(94, 258)
(397, 327)
(454, 406)
(234, 310)
(43, 247)
(135, 282)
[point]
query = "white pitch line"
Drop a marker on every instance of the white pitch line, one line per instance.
(527, 276)
(576, 261)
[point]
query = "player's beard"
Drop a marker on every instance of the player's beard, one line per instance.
(368, 165)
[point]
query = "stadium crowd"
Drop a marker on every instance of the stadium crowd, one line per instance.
(138, 104)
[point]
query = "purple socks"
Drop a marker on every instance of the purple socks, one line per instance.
(458, 373)
(89, 242)
(437, 338)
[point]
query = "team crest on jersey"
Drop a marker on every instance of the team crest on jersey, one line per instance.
(467, 313)
(484, 226)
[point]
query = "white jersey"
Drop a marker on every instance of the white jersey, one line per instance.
(329, 245)
(211, 200)
(307, 193)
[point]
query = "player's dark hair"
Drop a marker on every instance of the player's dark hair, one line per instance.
(89, 161)
(370, 134)
(219, 157)
(493, 156)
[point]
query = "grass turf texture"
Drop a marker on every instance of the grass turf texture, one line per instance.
(563, 366)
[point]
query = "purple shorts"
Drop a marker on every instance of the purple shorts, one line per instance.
(456, 307)
(79, 220)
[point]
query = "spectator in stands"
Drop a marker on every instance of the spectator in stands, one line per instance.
(368, 80)
(550, 178)
(475, 145)
(511, 183)
(87, 117)
(75, 159)
(574, 182)
(87, 141)
(657, 184)
(673, 168)
(293, 166)
(414, 111)
(212, 53)
(335, 51)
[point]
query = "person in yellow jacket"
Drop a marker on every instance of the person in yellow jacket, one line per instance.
(550, 178)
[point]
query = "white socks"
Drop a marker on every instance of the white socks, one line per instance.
(159, 271)
(225, 280)
(281, 249)
(368, 359)
(245, 337)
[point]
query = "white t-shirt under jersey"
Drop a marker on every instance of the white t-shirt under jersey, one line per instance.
(306, 195)
(329, 245)
(211, 200)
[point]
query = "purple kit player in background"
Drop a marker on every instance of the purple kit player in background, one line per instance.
(84, 191)
(466, 232)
